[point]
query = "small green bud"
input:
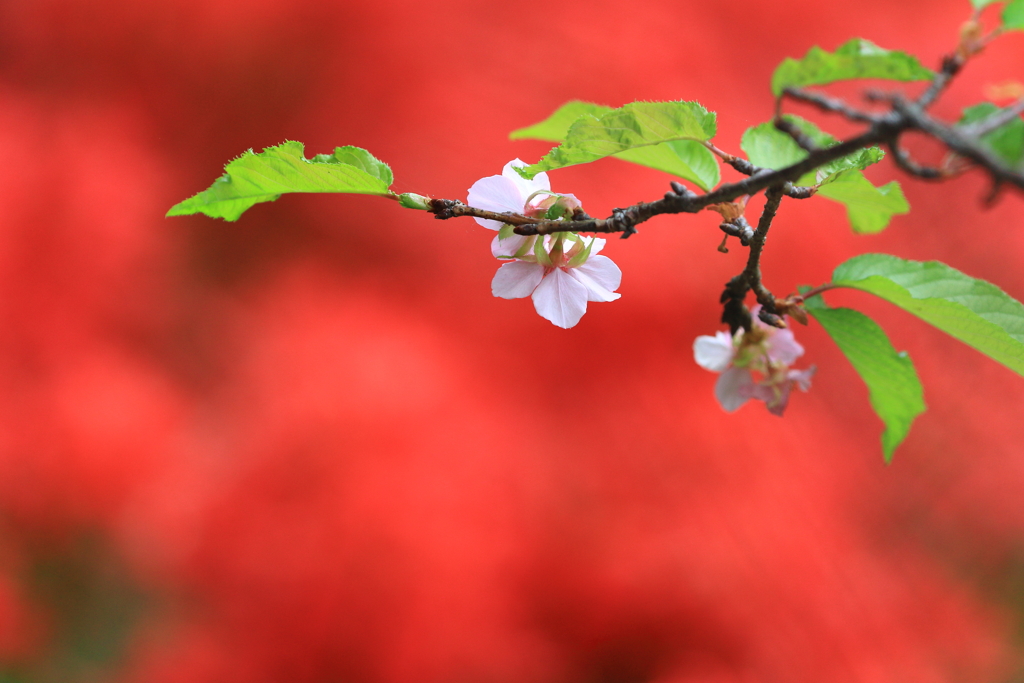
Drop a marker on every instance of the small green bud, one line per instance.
(414, 201)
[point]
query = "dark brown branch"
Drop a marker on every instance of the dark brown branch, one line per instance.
(682, 200)
(966, 146)
(748, 169)
(452, 208)
(752, 271)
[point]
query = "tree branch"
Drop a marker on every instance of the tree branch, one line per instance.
(752, 271)
(831, 104)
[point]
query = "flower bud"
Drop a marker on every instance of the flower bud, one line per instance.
(414, 201)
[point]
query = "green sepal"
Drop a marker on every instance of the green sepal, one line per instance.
(580, 258)
(974, 311)
(857, 58)
(263, 177)
(662, 135)
(542, 255)
(894, 388)
(506, 231)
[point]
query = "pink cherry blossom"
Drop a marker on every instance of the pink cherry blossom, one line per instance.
(561, 272)
(561, 281)
(510, 192)
(766, 350)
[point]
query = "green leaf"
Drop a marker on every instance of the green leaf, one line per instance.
(974, 311)
(1013, 16)
(893, 386)
(857, 58)
(768, 147)
(1007, 141)
(982, 4)
(868, 208)
(253, 178)
(662, 135)
(554, 127)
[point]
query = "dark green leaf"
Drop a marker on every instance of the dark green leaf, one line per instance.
(974, 311)
(893, 386)
(868, 208)
(253, 178)
(661, 135)
(857, 58)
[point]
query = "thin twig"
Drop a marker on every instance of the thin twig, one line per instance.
(979, 128)
(951, 65)
(911, 167)
(802, 139)
(831, 104)
(956, 141)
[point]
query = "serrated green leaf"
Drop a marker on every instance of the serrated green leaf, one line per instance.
(857, 58)
(894, 389)
(1013, 16)
(868, 208)
(768, 147)
(974, 311)
(554, 127)
(661, 135)
(253, 178)
(1007, 141)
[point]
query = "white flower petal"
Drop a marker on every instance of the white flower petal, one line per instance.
(599, 243)
(714, 353)
(505, 248)
(733, 388)
(525, 187)
(516, 280)
(560, 298)
(495, 193)
(600, 276)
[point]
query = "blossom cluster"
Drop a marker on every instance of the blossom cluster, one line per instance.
(561, 272)
(766, 350)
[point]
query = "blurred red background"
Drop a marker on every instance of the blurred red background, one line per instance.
(309, 446)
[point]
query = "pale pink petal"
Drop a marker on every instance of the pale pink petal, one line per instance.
(516, 280)
(560, 298)
(782, 347)
(775, 396)
(599, 243)
(601, 277)
(733, 388)
(525, 187)
(505, 248)
(714, 353)
(802, 377)
(495, 193)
